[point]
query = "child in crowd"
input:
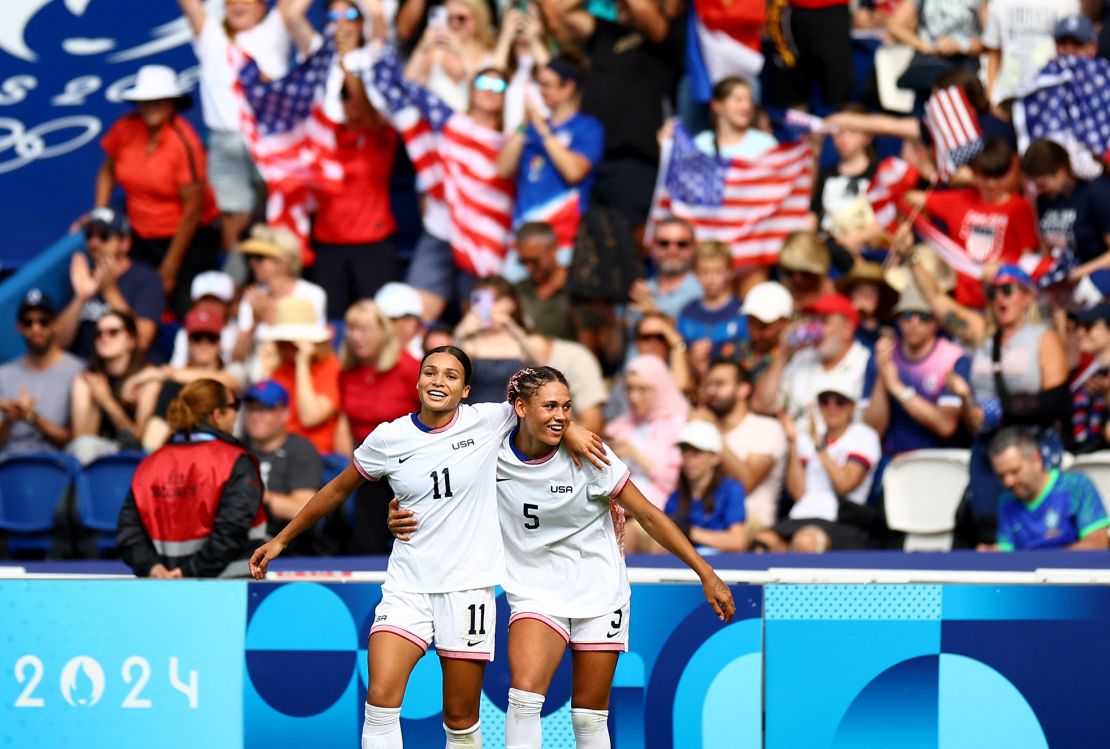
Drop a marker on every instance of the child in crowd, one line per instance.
(712, 325)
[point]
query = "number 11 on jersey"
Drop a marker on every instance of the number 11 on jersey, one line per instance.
(446, 483)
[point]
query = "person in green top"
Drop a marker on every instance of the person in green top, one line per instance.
(1042, 509)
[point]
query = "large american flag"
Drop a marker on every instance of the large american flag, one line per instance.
(1069, 102)
(290, 139)
(954, 127)
(455, 159)
(893, 177)
(752, 206)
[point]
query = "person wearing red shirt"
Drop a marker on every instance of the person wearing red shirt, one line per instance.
(155, 156)
(992, 224)
(376, 385)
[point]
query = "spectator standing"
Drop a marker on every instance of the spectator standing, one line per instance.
(1018, 378)
(522, 48)
(377, 384)
(213, 290)
(401, 303)
(553, 159)
(707, 505)
(1071, 212)
(155, 156)
(1018, 38)
(35, 389)
(1039, 508)
(289, 466)
(497, 338)
(543, 295)
(733, 133)
(767, 309)
(261, 35)
(755, 447)
(112, 281)
(1090, 384)
(943, 34)
(911, 407)
(712, 326)
(840, 193)
(308, 369)
(455, 45)
(104, 422)
(804, 264)
(813, 41)
(645, 436)
(207, 524)
(635, 62)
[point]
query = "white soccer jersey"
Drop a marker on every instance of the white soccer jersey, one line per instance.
(560, 545)
(445, 476)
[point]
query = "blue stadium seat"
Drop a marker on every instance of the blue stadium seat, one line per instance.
(102, 488)
(32, 487)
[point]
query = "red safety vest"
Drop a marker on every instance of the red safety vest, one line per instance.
(177, 492)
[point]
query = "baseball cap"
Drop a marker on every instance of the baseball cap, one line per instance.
(399, 300)
(204, 320)
(834, 304)
(768, 301)
(212, 283)
(111, 219)
(1078, 28)
(1100, 311)
(36, 299)
(1010, 273)
(268, 393)
(835, 382)
(701, 435)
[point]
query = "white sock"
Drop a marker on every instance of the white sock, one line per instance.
(467, 738)
(523, 729)
(591, 728)
(381, 728)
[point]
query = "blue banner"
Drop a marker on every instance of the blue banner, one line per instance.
(121, 664)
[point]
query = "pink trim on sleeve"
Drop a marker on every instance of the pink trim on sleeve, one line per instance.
(362, 471)
(620, 485)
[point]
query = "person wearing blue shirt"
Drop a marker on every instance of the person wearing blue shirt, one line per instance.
(712, 325)
(707, 505)
(1041, 509)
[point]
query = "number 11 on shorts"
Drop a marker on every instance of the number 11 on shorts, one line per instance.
(477, 619)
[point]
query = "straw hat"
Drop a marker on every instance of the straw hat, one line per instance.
(296, 321)
(898, 277)
(805, 252)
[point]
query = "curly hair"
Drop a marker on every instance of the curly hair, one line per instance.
(527, 381)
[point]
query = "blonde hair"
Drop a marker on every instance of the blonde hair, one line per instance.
(195, 405)
(364, 311)
(713, 250)
(285, 241)
(482, 22)
(1032, 316)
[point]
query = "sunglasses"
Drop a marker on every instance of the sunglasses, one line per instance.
(1005, 289)
(832, 399)
(234, 405)
(678, 244)
(98, 233)
(204, 338)
(108, 332)
(915, 315)
(656, 337)
(31, 322)
(351, 14)
(490, 83)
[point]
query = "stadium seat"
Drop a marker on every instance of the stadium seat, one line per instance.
(32, 487)
(102, 488)
(1096, 467)
(922, 490)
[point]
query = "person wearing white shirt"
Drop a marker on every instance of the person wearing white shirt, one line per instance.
(439, 586)
(565, 579)
(1019, 41)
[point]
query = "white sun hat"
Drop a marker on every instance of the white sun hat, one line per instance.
(155, 82)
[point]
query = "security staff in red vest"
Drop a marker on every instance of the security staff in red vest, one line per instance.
(195, 505)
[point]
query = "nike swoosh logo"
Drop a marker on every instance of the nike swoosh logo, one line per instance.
(611, 635)
(470, 644)
(402, 460)
(500, 480)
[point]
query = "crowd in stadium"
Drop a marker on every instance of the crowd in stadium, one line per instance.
(587, 202)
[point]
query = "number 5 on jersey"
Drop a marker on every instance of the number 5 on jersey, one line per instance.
(531, 519)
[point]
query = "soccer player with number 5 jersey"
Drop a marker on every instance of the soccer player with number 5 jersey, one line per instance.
(440, 463)
(565, 580)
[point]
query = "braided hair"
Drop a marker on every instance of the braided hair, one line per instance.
(527, 381)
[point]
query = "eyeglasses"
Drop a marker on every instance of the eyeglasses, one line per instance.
(234, 405)
(908, 315)
(351, 14)
(832, 399)
(97, 233)
(1005, 289)
(108, 332)
(457, 19)
(204, 338)
(651, 337)
(678, 244)
(490, 83)
(31, 322)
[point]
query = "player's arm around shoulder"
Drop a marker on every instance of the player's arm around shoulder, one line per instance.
(663, 530)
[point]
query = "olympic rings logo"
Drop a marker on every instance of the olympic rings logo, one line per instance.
(29, 145)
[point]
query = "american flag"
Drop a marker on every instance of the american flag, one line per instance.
(456, 165)
(954, 127)
(893, 177)
(1069, 102)
(752, 206)
(290, 139)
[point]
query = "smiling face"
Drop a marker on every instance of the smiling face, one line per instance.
(241, 15)
(737, 108)
(441, 384)
(487, 93)
(348, 23)
(546, 414)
